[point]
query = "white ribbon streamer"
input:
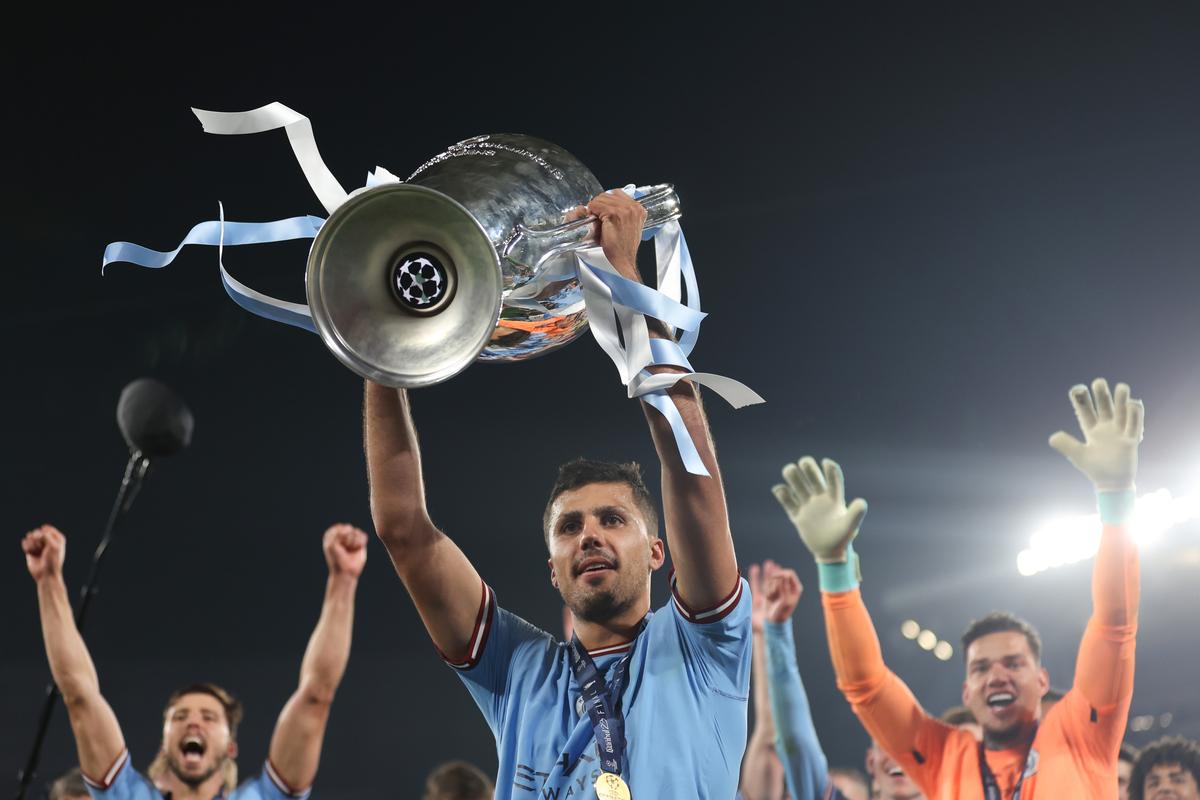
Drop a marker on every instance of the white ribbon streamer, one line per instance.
(300, 136)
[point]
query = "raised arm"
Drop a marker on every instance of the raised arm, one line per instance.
(814, 499)
(762, 771)
(97, 735)
(804, 761)
(445, 588)
(1112, 427)
(696, 520)
(300, 730)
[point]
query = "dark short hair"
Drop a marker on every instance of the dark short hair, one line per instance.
(584, 471)
(1128, 753)
(958, 715)
(1167, 750)
(998, 622)
(233, 706)
(458, 780)
(69, 784)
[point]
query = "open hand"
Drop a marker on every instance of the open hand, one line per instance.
(1112, 428)
(815, 502)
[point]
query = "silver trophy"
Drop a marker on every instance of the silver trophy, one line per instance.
(470, 258)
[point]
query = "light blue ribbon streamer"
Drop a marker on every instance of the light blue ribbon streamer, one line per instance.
(690, 335)
(644, 300)
(219, 233)
(665, 351)
(683, 440)
(209, 233)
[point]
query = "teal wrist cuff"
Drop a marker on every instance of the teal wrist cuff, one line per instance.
(839, 577)
(1116, 508)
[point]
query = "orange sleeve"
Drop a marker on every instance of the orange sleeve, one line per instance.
(883, 703)
(1104, 670)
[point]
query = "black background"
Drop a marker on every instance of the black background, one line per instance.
(914, 230)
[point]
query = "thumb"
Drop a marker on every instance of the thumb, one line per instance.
(857, 511)
(1068, 445)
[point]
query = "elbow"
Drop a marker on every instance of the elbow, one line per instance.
(77, 695)
(315, 692)
(403, 534)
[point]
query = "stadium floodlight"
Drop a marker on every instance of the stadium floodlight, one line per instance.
(1070, 539)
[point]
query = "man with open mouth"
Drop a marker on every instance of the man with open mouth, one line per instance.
(651, 706)
(199, 736)
(1071, 752)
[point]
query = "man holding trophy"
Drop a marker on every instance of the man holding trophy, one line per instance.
(638, 703)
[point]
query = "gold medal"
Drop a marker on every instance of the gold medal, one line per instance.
(611, 786)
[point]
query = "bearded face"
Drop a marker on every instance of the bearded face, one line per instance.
(196, 740)
(601, 554)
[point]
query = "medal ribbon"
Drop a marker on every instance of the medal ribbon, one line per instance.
(991, 788)
(603, 703)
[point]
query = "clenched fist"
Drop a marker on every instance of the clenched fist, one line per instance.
(345, 549)
(774, 593)
(45, 550)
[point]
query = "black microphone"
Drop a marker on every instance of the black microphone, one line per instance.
(153, 420)
(155, 424)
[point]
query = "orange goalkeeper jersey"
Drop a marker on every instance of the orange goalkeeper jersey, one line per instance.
(1076, 744)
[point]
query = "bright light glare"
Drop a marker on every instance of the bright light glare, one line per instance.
(927, 640)
(944, 651)
(910, 629)
(1070, 539)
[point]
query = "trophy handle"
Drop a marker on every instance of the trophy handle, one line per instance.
(532, 248)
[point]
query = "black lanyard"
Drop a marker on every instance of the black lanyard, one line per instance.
(991, 789)
(603, 702)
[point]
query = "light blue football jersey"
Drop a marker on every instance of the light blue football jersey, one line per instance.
(684, 703)
(123, 782)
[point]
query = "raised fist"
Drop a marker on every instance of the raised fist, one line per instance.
(345, 549)
(782, 589)
(45, 550)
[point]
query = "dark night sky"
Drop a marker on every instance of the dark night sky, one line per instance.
(913, 232)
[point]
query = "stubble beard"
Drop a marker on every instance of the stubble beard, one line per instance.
(602, 605)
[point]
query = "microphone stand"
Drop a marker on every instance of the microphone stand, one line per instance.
(135, 473)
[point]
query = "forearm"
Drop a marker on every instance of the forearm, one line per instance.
(394, 469)
(1104, 671)
(98, 738)
(764, 723)
(1115, 581)
(696, 519)
(799, 748)
(70, 663)
(882, 702)
(329, 646)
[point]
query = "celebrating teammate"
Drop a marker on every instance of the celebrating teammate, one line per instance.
(784, 748)
(199, 742)
(1072, 752)
(653, 704)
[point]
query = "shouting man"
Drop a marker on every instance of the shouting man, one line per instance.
(1072, 751)
(199, 742)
